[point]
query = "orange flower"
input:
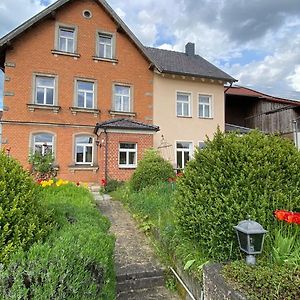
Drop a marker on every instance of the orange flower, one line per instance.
(281, 214)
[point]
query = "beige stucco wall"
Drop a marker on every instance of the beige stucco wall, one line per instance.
(192, 129)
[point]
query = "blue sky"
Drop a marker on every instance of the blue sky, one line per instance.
(254, 41)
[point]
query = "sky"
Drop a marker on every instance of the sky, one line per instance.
(256, 42)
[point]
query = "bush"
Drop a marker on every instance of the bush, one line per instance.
(42, 165)
(75, 262)
(112, 185)
(151, 170)
(232, 177)
(23, 219)
(265, 281)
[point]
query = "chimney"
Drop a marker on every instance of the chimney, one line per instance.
(190, 49)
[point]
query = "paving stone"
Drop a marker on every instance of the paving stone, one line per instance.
(139, 273)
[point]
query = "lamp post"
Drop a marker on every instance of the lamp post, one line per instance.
(250, 235)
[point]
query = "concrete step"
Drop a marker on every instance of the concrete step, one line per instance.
(155, 293)
(140, 280)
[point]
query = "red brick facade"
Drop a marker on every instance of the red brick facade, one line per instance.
(31, 53)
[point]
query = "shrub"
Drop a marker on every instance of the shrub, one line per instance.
(23, 219)
(232, 177)
(42, 165)
(151, 170)
(75, 262)
(112, 185)
(265, 281)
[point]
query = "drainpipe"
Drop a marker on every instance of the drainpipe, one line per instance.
(106, 156)
(295, 125)
(230, 86)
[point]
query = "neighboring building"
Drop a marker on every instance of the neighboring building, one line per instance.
(249, 109)
(70, 67)
(188, 102)
(78, 83)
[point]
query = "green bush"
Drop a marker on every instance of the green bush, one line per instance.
(236, 176)
(151, 170)
(23, 219)
(75, 262)
(264, 281)
(112, 185)
(42, 165)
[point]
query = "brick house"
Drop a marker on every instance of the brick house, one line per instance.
(70, 70)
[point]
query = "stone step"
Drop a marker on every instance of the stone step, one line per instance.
(155, 293)
(141, 280)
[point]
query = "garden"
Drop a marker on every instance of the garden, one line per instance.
(191, 216)
(54, 242)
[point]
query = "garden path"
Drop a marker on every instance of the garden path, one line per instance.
(139, 274)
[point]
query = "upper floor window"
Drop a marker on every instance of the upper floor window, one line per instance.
(43, 143)
(44, 90)
(127, 155)
(66, 39)
(183, 153)
(105, 45)
(122, 98)
(84, 148)
(202, 145)
(183, 104)
(85, 94)
(205, 106)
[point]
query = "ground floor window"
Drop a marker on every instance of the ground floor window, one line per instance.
(84, 147)
(127, 155)
(43, 143)
(183, 153)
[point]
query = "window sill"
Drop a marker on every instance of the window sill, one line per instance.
(54, 108)
(76, 110)
(127, 167)
(111, 60)
(185, 117)
(75, 168)
(206, 118)
(122, 113)
(57, 52)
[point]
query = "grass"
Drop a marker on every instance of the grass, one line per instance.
(75, 261)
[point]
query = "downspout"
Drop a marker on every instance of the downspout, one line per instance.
(230, 86)
(106, 156)
(295, 123)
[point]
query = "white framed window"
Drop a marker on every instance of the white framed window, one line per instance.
(43, 143)
(122, 98)
(84, 150)
(205, 106)
(183, 104)
(127, 155)
(105, 45)
(184, 151)
(45, 90)
(85, 94)
(66, 39)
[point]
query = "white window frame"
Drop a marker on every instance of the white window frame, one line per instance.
(127, 151)
(54, 88)
(76, 90)
(69, 29)
(112, 36)
(189, 102)
(122, 97)
(43, 145)
(84, 145)
(182, 150)
(202, 106)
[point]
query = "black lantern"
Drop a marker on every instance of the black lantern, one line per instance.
(251, 239)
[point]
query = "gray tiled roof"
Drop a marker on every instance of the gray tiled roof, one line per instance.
(181, 63)
(236, 128)
(125, 124)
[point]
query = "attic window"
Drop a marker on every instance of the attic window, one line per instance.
(87, 14)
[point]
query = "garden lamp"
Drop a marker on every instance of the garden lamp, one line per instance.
(250, 235)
